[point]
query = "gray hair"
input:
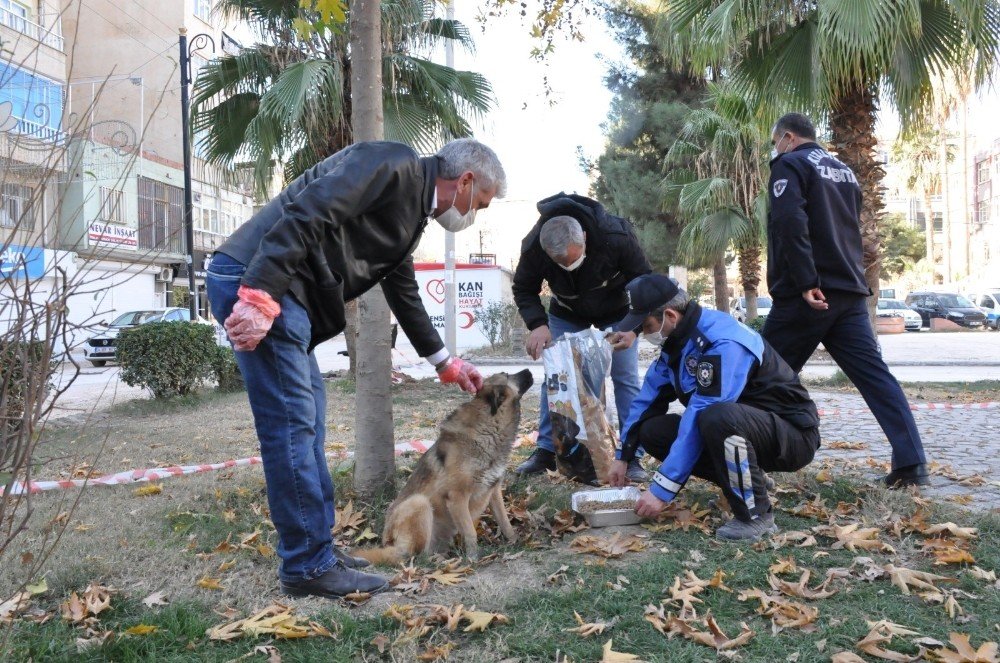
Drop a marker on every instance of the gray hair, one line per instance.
(558, 234)
(468, 154)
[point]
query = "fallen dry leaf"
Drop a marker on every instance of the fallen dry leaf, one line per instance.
(73, 609)
(348, 519)
(558, 576)
(801, 588)
(983, 574)
(479, 621)
(14, 605)
(380, 642)
(880, 634)
(846, 657)
(151, 489)
(714, 637)
(276, 621)
(96, 598)
(798, 538)
(784, 565)
(436, 652)
(39, 587)
(142, 629)
(155, 599)
(853, 537)
(952, 555)
(950, 529)
(783, 613)
(225, 566)
(357, 598)
(609, 655)
(206, 582)
(586, 629)
(905, 578)
(615, 546)
(965, 653)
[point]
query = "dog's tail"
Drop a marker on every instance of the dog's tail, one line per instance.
(390, 555)
(408, 530)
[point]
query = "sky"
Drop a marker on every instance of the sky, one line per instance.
(535, 137)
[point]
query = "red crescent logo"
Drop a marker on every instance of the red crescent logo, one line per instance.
(469, 317)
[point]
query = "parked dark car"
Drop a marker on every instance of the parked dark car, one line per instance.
(948, 305)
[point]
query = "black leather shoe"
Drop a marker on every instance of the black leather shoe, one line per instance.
(336, 583)
(635, 473)
(538, 462)
(348, 561)
(912, 475)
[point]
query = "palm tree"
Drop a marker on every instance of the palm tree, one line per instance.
(923, 152)
(287, 99)
(842, 60)
(721, 196)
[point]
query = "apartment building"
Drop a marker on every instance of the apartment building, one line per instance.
(91, 149)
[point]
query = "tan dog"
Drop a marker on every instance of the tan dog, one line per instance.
(453, 482)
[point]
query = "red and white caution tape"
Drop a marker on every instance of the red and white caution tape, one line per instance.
(916, 407)
(159, 473)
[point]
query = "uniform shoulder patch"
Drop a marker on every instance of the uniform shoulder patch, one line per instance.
(708, 374)
(691, 364)
(779, 187)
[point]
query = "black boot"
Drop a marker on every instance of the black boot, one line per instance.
(336, 583)
(912, 475)
(348, 561)
(538, 462)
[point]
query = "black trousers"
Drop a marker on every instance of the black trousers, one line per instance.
(769, 443)
(794, 329)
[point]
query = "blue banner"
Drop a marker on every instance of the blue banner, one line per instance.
(22, 261)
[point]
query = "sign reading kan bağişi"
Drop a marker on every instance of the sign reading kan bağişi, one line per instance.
(111, 234)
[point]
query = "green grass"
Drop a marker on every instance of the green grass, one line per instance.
(539, 613)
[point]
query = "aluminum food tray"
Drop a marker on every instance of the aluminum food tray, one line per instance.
(609, 517)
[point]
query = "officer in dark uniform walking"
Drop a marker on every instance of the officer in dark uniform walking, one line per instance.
(815, 277)
(745, 410)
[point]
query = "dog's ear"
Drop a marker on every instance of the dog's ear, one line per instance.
(495, 395)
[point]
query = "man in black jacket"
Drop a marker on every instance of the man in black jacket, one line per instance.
(587, 256)
(815, 277)
(280, 283)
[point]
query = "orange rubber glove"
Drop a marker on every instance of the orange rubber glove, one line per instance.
(463, 374)
(251, 318)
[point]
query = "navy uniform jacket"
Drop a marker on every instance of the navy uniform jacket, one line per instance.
(814, 237)
(711, 358)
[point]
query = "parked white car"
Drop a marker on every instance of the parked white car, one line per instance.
(887, 308)
(100, 348)
(988, 301)
(739, 311)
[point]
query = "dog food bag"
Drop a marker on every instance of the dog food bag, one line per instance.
(576, 367)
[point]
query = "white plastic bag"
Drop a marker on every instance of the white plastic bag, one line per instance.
(576, 366)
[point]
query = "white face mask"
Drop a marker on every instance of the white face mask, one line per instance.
(575, 265)
(775, 151)
(656, 338)
(451, 220)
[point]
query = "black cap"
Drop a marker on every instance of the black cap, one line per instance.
(646, 293)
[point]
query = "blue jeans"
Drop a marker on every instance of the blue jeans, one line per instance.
(624, 376)
(288, 401)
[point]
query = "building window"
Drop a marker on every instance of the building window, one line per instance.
(203, 10)
(112, 205)
(983, 171)
(17, 208)
(36, 102)
(938, 221)
(14, 15)
(982, 211)
(161, 216)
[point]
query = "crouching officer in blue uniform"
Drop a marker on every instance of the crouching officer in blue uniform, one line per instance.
(745, 410)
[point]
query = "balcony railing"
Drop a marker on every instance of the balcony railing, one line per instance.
(31, 30)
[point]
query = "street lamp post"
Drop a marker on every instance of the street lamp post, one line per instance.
(198, 42)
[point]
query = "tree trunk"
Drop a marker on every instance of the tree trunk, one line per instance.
(852, 129)
(749, 257)
(374, 462)
(929, 233)
(721, 284)
(351, 337)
